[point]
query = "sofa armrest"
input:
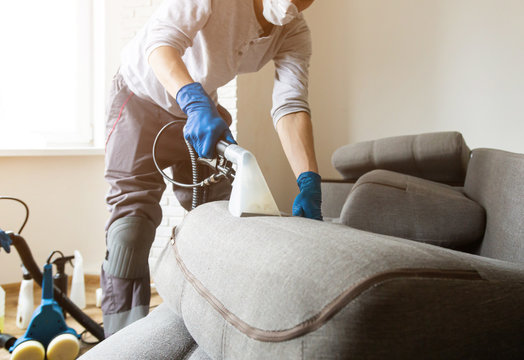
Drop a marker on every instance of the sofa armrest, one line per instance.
(334, 195)
(440, 156)
(160, 335)
(294, 288)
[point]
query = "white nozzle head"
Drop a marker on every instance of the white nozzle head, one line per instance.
(250, 195)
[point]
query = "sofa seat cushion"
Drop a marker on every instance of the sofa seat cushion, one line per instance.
(391, 203)
(294, 288)
(439, 156)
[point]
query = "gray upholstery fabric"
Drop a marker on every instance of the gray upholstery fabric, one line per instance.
(496, 180)
(441, 157)
(425, 319)
(390, 203)
(293, 288)
(334, 195)
(160, 335)
(196, 354)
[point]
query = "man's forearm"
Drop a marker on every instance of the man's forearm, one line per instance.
(296, 135)
(169, 69)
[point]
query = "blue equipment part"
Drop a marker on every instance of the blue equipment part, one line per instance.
(5, 241)
(47, 321)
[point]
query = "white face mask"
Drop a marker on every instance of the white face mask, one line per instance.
(279, 12)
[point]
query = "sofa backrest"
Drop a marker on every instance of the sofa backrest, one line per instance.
(495, 179)
(438, 156)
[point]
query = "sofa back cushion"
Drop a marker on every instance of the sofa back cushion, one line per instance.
(390, 203)
(495, 179)
(439, 156)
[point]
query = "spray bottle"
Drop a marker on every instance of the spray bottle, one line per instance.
(78, 290)
(25, 308)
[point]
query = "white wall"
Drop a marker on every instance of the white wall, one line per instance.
(65, 195)
(424, 65)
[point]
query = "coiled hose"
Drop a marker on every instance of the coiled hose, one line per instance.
(199, 192)
(198, 185)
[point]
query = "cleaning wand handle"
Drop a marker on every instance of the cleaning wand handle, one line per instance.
(221, 147)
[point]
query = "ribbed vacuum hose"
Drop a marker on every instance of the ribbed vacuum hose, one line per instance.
(199, 186)
(197, 190)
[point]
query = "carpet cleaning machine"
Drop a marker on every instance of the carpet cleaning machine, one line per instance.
(48, 336)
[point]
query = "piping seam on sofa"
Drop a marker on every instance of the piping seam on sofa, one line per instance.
(401, 188)
(356, 186)
(328, 311)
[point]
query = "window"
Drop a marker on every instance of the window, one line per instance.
(46, 73)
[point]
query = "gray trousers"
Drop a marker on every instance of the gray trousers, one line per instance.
(135, 190)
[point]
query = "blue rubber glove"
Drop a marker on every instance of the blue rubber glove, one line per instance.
(307, 203)
(204, 126)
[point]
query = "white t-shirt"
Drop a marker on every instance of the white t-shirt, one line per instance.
(219, 39)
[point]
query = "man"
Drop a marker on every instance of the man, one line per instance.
(170, 71)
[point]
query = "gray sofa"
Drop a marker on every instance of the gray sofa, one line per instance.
(293, 288)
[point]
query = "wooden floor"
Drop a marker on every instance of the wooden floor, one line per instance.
(92, 283)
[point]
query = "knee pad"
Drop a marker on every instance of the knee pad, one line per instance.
(129, 240)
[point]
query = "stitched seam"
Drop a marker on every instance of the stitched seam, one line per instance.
(118, 119)
(112, 309)
(356, 186)
(407, 188)
(328, 311)
(182, 295)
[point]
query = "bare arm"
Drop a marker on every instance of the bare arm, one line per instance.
(296, 135)
(169, 69)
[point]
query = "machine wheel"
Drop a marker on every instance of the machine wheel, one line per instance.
(63, 347)
(29, 350)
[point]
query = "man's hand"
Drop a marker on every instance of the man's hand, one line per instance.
(204, 127)
(307, 203)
